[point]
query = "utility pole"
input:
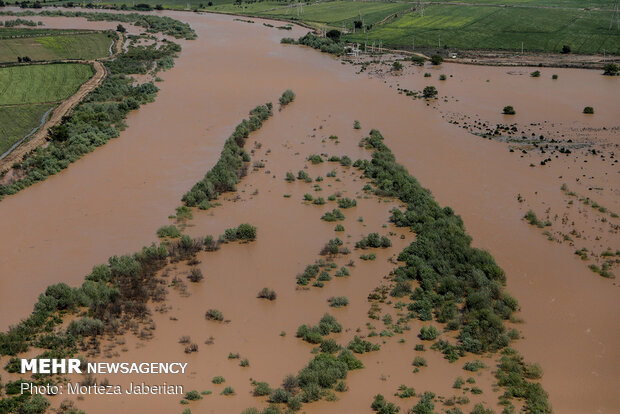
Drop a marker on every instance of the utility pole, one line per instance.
(521, 47)
(616, 16)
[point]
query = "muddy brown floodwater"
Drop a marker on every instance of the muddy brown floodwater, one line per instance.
(111, 201)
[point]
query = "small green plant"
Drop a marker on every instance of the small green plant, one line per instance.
(419, 362)
(357, 125)
(170, 231)
(266, 293)
(218, 380)
(193, 395)
(588, 110)
(428, 333)
(339, 227)
(535, 74)
(228, 391)
(287, 97)
(442, 77)
(334, 215)
(315, 159)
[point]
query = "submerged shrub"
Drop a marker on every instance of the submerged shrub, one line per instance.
(214, 315)
(287, 97)
(267, 293)
(168, 231)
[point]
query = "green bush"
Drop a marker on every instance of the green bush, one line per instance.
(287, 97)
(436, 60)
(193, 395)
(373, 240)
(428, 333)
(218, 380)
(168, 231)
(588, 110)
(508, 110)
(228, 391)
(334, 215)
(346, 202)
(315, 159)
(261, 389)
(267, 293)
(419, 361)
(381, 406)
(214, 315)
(338, 301)
(429, 92)
(243, 232)
(360, 346)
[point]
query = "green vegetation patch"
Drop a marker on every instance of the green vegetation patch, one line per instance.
(41, 83)
(86, 46)
(489, 27)
(18, 121)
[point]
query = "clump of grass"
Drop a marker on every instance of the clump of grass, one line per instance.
(218, 380)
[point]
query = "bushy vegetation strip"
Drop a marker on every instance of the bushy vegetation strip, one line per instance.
(231, 166)
(151, 23)
(458, 285)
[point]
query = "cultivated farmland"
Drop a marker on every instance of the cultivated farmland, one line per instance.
(53, 46)
(41, 83)
(490, 27)
(17, 121)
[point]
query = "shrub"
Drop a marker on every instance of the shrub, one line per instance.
(370, 256)
(168, 231)
(329, 346)
(318, 201)
(442, 77)
(429, 92)
(195, 275)
(315, 159)
(267, 293)
(228, 391)
(339, 227)
(419, 362)
(334, 215)
(565, 49)
(405, 392)
(509, 110)
(474, 366)
(261, 389)
(436, 60)
(397, 66)
(279, 395)
(427, 75)
(332, 247)
(357, 125)
(373, 240)
(85, 327)
(360, 346)
(346, 202)
(428, 333)
(418, 60)
(214, 315)
(287, 97)
(244, 362)
(290, 177)
(588, 110)
(535, 74)
(218, 380)
(458, 383)
(338, 301)
(611, 69)
(243, 232)
(554, 76)
(381, 406)
(193, 395)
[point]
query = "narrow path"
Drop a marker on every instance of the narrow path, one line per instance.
(39, 137)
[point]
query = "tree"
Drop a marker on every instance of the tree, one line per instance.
(610, 69)
(509, 110)
(436, 60)
(430, 92)
(358, 24)
(334, 35)
(120, 28)
(566, 49)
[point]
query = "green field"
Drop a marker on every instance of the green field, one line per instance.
(17, 121)
(55, 46)
(489, 27)
(41, 83)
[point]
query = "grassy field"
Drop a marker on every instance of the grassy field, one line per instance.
(41, 83)
(17, 121)
(489, 27)
(55, 46)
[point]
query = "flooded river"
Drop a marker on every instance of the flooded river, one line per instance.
(112, 201)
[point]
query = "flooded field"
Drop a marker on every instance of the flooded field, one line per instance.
(112, 201)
